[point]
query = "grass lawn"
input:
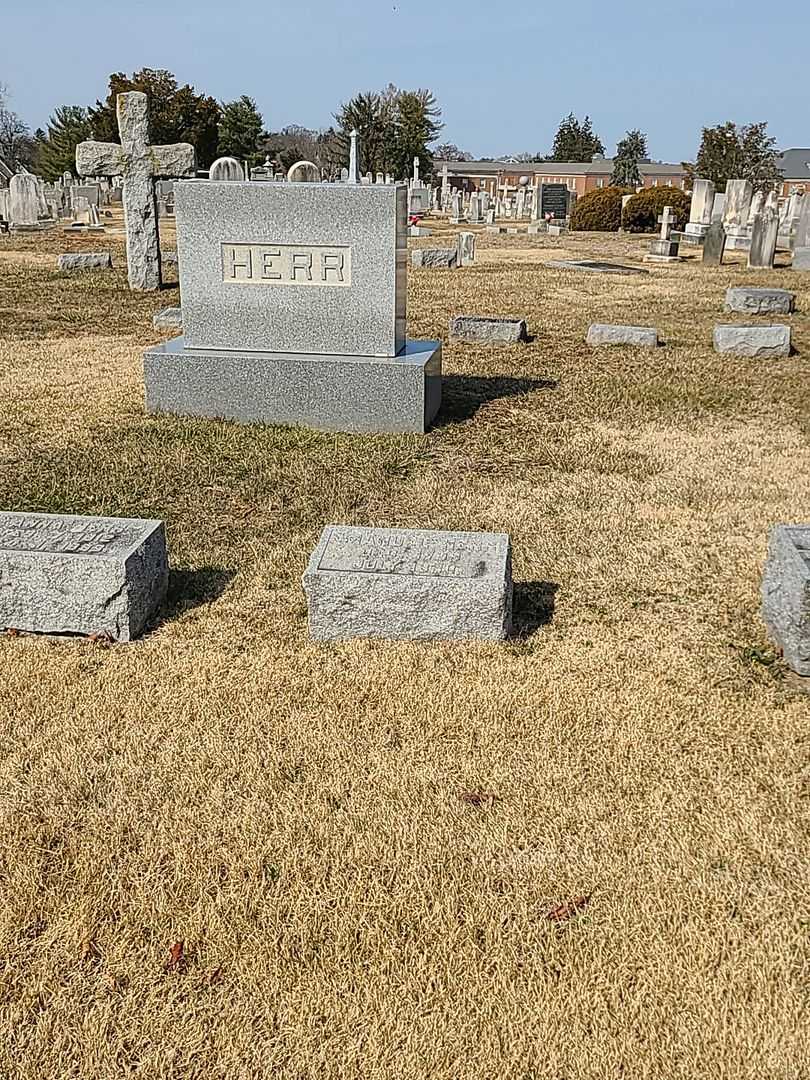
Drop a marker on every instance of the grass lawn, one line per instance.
(582, 853)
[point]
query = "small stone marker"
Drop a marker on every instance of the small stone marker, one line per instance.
(138, 163)
(303, 172)
(786, 594)
(714, 244)
(171, 318)
(409, 584)
(226, 168)
(61, 574)
(593, 267)
(441, 258)
(752, 341)
(86, 260)
(645, 337)
(490, 330)
(751, 301)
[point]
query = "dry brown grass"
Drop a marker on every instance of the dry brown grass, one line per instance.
(361, 845)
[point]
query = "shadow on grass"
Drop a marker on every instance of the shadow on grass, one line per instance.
(464, 395)
(189, 589)
(534, 603)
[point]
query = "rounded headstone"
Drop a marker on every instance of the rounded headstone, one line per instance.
(304, 172)
(226, 168)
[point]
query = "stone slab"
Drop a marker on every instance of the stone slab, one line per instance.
(786, 594)
(490, 330)
(609, 334)
(594, 267)
(87, 260)
(801, 258)
(751, 301)
(412, 584)
(62, 574)
(171, 318)
(293, 267)
(332, 393)
(435, 258)
(753, 341)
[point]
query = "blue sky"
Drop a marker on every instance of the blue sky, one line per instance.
(503, 77)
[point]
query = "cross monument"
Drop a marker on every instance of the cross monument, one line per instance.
(139, 164)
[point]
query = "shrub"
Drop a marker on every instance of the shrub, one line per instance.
(599, 211)
(642, 212)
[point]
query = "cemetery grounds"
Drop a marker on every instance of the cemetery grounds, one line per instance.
(226, 851)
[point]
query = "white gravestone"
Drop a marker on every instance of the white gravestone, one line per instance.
(24, 201)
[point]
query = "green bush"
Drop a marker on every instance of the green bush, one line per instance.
(599, 211)
(642, 212)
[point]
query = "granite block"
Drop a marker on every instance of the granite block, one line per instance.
(87, 260)
(442, 258)
(411, 584)
(786, 594)
(294, 267)
(333, 393)
(801, 258)
(607, 334)
(61, 574)
(490, 330)
(753, 341)
(751, 301)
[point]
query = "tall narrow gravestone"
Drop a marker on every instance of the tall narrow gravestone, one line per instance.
(763, 239)
(294, 310)
(24, 202)
(139, 164)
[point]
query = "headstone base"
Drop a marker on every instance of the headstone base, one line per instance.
(738, 239)
(331, 393)
(694, 234)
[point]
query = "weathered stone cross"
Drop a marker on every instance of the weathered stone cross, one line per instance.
(139, 164)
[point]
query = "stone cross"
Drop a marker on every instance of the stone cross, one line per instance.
(139, 164)
(354, 159)
(667, 220)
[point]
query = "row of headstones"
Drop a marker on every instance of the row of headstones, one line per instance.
(108, 578)
(30, 203)
(758, 221)
(545, 202)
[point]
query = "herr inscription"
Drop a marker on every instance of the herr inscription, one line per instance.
(287, 264)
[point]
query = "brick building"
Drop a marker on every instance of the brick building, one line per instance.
(795, 167)
(580, 177)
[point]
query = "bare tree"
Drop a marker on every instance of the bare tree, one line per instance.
(16, 144)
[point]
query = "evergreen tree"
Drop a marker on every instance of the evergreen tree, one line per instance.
(575, 141)
(728, 152)
(240, 130)
(56, 152)
(176, 113)
(395, 126)
(630, 151)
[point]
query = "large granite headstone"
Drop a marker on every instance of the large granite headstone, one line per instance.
(24, 201)
(700, 214)
(411, 584)
(61, 574)
(294, 310)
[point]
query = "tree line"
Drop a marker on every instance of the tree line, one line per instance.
(395, 126)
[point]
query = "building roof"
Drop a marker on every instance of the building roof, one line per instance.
(795, 164)
(600, 167)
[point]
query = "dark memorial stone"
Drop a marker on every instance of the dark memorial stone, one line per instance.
(554, 200)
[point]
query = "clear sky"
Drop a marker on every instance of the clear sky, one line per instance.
(504, 74)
